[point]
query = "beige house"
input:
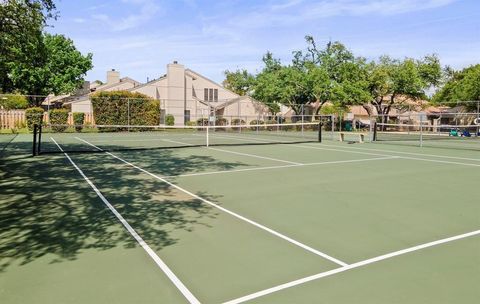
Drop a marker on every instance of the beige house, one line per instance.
(187, 95)
(183, 93)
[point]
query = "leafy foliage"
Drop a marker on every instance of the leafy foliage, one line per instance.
(461, 86)
(78, 120)
(59, 119)
(12, 102)
(61, 69)
(33, 62)
(123, 107)
(33, 116)
(169, 120)
(240, 82)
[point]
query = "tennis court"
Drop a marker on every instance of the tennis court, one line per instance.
(155, 217)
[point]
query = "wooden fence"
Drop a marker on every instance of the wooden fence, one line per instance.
(15, 119)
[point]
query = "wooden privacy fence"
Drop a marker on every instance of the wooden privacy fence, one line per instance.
(12, 119)
(16, 119)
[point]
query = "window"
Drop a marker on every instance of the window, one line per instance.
(187, 116)
(210, 94)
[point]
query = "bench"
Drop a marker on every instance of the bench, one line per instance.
(361, 136)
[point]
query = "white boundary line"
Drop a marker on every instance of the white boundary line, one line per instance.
(349, 267)
(408, 153)
(168, 272)
(238, 216)
(257, 156)
(285, 166)
(239, 153)
(346, 150)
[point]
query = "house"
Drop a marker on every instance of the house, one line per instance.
(188, 96)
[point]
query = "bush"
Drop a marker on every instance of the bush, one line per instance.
(59, 119)
(202, 122)
(257, 122)
(237, 122)
(123, 107)
(13, 102)
(221, 121)
(33, 116)
(271, 122)
(191, 123)
(169, 120)
(78, 120)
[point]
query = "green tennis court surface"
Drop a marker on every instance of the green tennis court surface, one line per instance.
(286, 223)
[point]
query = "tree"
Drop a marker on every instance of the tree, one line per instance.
(393, 81)
(240, 82)
(460, 86)
(61, 71)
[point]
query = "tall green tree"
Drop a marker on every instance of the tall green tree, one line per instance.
(61, 71)
(33, 62)
(240, 82)
(393, 81)
(460, 88)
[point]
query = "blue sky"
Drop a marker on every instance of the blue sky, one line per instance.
(139, 37)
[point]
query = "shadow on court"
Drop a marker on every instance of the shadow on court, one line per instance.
(47, 210)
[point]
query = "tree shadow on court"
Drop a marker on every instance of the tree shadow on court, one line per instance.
(47, 210)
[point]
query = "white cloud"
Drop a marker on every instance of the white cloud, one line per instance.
(79, 20)
(147, 9)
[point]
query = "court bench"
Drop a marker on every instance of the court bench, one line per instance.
(361, 136)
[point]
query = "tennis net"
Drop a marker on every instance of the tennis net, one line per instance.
(448, 136)
(97, 138)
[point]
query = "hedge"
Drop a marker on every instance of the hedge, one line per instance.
(59, 119)
(257, 122)
(169, 120)
(123, 108)
(13, 102)
(202, 122)
(33, 116)
(237, 122)
(78, 120)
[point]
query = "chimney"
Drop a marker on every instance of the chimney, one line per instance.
(113, 77)
(175, 62)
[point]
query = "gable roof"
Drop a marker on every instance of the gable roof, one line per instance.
(209, 80)
(106, 86)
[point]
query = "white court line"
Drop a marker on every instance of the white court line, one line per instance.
(238, 216)
(239, 153)
(160, 263)
(347, 150)
(284, 166)
(257, 156)
(349, 267)
(409, 153)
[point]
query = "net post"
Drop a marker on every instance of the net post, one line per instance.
(34, 147)
(319, 132)
(208, 136)
(375, 131)
(421, 130)
(39, 144)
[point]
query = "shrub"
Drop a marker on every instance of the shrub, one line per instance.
(237, 122)
(202, 122)
(123, 107)
(221, 121)
(13, 102)
(271, 122)
(257, 122)
(191, 123)
(78, 120)
(33, 116)
(59, 119)
(169, 120)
